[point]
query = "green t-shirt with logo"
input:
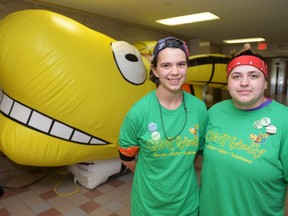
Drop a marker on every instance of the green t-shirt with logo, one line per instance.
(165, 181)
(245, 161)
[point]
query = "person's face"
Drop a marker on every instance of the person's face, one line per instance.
(171, 68)
(246, 85)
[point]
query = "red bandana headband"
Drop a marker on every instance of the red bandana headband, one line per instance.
(247, 60)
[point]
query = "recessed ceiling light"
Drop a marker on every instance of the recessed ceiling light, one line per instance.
(244, 40)
(199, 17)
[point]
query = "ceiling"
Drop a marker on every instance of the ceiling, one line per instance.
(239, 18)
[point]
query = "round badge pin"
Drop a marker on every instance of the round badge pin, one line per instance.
(155, 135)
(257, 124)
(152, 127)
(271, 129)
(265, 121)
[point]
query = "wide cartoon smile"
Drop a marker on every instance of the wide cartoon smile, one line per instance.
(31, 118)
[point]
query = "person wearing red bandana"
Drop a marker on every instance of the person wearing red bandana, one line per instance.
(245, 156)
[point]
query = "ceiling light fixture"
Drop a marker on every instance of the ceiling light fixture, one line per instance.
(244, 40)
(199, 17)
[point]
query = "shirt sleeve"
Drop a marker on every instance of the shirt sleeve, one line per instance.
(128, 139)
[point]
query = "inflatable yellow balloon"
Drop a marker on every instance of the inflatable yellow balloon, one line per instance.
(66, 89)
(207, 70)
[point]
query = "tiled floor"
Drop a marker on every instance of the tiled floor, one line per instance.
(53, 193)
(56, 194)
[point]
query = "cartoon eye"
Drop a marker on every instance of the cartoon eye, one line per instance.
(129, 62)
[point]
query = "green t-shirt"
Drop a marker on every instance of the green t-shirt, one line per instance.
(245, 161)
(165, 181)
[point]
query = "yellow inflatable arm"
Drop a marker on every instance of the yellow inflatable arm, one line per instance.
(207, 70)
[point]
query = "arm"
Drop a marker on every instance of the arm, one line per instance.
(128, 145)
(128, 158)
(197, 156)
(130, 164)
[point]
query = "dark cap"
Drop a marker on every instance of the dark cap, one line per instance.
(170, 42)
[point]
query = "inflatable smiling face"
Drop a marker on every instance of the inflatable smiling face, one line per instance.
(66, 89)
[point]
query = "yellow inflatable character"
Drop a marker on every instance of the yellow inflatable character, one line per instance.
(66, 89)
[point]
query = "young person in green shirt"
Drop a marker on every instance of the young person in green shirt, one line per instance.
(160, 137)
(245, 157)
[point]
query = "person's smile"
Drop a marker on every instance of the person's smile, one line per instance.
(245, 92)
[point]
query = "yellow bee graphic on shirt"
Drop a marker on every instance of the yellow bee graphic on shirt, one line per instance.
(259, 138)
(194, 130)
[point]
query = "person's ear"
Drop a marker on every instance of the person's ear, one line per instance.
(154, 70)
